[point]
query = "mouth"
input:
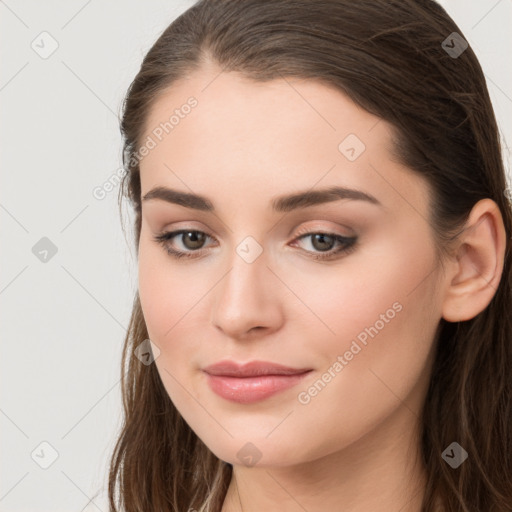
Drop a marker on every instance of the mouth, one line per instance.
(251, 369)
(252, 382)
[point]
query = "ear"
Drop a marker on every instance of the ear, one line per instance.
(478, 263)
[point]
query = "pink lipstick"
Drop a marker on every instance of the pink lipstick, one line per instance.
(253, 381)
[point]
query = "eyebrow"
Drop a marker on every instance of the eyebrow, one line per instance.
(283, 204)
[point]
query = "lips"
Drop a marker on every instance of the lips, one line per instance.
(251, 369)
(251, 382)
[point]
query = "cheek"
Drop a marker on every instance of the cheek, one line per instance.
(168, 292)
(384, 319)
(383, 287)
(173, 300)
(154, 300)
(380, 314)
(167, 300)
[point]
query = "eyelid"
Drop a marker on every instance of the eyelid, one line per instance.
(348, 244)
(315, 228)
(306, 230)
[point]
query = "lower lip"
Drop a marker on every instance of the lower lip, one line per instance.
(252, 389)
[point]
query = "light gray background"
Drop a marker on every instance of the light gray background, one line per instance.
(64, 320)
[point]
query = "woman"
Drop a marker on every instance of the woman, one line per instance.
(323, 234)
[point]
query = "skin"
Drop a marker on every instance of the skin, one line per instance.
(353, 446)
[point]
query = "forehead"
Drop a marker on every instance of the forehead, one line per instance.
(230, 104)
(268, 138)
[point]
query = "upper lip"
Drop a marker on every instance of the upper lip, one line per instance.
(251, 369)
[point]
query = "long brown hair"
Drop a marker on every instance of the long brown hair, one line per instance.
(391, 58)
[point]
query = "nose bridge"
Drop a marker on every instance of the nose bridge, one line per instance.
(246, 296)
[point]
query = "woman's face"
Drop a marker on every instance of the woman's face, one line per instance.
(362, 320)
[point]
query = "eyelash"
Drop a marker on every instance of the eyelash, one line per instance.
(349, 244)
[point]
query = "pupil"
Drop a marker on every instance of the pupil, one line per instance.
(322, 238)
(196, 237)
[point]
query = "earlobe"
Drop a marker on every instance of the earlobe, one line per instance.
(479, 263)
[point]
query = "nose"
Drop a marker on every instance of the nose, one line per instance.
(246, 303)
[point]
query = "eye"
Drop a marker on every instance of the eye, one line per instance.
(188, 236)
(193, 241)
(324, 243)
